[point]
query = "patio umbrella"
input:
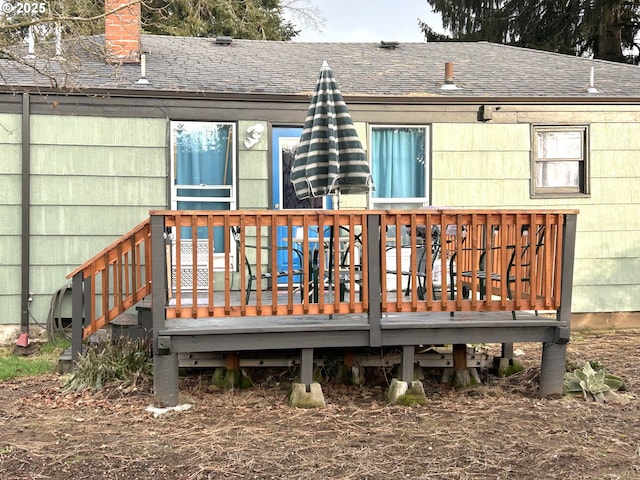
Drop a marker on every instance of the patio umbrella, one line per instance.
(330, 158)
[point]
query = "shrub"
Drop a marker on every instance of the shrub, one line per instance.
(123, 361)
(593, 384)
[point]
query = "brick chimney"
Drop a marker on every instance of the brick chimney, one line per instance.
(122, 32)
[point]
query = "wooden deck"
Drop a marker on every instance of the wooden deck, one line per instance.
(322, 331)
(385, 297)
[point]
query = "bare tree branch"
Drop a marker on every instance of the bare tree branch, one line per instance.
(305, 13)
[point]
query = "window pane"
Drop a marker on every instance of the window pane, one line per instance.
(558, 174)
(560, 144)
(203, 153)
(398, 162)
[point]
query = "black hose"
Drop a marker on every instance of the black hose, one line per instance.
(55, 328)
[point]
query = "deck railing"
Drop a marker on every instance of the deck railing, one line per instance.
(310, 262)
(114, 280)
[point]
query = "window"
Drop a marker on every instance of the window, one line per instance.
(399, 167)
(560, 162)
(203, 174)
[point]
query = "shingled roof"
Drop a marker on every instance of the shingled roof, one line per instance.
(185, 65)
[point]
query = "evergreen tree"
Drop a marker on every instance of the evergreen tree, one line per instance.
(604, 29)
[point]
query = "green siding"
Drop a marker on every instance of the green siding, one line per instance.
(621, 272)
(10, 253)
(98, 161)
(489, 165)
(10, 308)
(98, 191)
(480, 137)
(253, 165)
(10, 151)
(608, 252)
(10, 220)
(87, 220)
(610, 245)
(595, 299)
(10, 280)
(480, 164)
(69, 250)
(11, 191)
(10, 132)
(97, 131)
(615, 137)
(605, 163)
(254, 171)
(254, 194)
(49, 278)
(455, 165)
(93, 179)
(10, 217)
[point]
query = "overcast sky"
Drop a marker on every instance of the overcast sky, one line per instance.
(371, 21)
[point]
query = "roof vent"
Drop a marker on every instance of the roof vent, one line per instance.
(592, 88)
(448, 77)
(389, 45)
(143, 71)
(224, 40)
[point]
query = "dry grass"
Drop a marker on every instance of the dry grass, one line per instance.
(496, 431)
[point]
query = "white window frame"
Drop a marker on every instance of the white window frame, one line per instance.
(230, 198)
(559, 155)
(406, 202)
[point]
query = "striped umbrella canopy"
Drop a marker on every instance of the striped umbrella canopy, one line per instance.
(330, 158)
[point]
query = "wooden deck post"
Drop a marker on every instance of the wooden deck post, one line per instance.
(77, 300)
(554, 355)
(165, 362)
(306, 367)
(459, 356)
(554, 358)
(374, 243)
(408, 361)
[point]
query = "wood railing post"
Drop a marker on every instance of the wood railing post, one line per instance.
(165, 362)
(159, 283)
(375, 239)
(77, 300)
(568, 259)
(554, 354)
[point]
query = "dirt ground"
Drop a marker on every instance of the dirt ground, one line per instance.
(498, 430)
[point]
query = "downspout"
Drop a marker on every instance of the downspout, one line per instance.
(25, 296)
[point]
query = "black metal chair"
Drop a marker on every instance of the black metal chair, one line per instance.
(344, 272)
(484, 273)
(273, 274)
(419, 265)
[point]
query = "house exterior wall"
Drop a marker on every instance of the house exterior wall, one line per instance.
(10, 217)
(97, 171)
(489, 164)
(92, 179)
(254, 169)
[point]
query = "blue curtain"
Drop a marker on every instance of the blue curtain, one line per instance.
(398, 162)
(203, 157)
